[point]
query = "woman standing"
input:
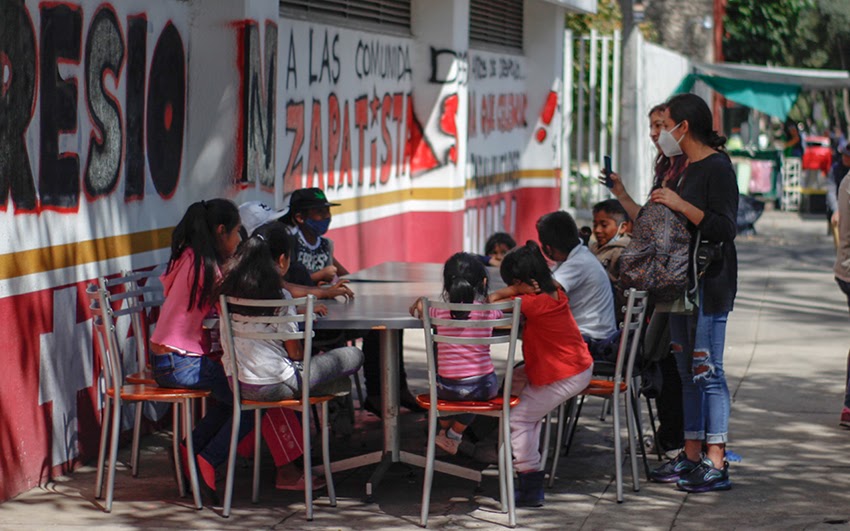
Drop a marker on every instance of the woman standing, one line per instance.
(707, 196)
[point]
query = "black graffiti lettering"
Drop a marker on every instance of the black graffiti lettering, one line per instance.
(104, 53)
(166, 111)
(337, 67)
(59, 174)
(137, 35)
(478, 68)
(259, 104)
(383, 60)
(17, 94)
(291, 64)
(448, 66)
(494, 170)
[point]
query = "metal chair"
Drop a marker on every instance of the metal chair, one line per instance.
(228, 334)
(498, 407)
(143, 295)
(115, 393)
(622, 384)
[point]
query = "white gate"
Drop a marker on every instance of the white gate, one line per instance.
(592, 84)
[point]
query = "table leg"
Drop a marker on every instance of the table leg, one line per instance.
(390, 391)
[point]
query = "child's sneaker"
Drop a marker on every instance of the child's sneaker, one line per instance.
(446, 443)
(845, 418)
(529, 489)
(672, 470)
(706, 478)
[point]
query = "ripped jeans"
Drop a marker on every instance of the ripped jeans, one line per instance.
(698, 342)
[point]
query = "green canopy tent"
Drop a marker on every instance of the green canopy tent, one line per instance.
(772, 90)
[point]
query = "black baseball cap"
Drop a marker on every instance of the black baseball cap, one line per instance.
(307, 198)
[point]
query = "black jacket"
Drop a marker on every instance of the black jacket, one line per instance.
(711, 185)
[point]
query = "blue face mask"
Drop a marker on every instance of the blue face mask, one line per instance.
(319, 227)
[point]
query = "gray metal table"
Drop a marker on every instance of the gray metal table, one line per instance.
(381, 306)
(413, 272)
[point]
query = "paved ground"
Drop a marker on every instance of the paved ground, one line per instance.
(786, 357)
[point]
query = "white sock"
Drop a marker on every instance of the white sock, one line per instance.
(452, 434)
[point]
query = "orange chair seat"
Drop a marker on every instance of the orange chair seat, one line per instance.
(464, 406)
(288, 403)
(603, 388)
(137, 393)
(144, 377)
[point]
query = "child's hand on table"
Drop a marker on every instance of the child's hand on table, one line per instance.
(416, 308)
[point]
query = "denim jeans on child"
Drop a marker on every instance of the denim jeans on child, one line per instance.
(211, 436)
(483, 387)
(698, 343)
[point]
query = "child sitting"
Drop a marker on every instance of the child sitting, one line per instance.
(557, 366)
(612, 228)
(309, 217)
(497, 246)
(271, 370)
(464, 372)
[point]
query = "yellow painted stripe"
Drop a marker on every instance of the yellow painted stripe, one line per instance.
(72, 254)
(430, 194)
(398, 196)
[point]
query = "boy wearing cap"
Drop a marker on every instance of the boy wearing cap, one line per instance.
(309, 217)
(255, 214)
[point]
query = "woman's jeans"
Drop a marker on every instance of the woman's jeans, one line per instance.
(698, 343)
(845, 288)
(475, 388)
(211, 436)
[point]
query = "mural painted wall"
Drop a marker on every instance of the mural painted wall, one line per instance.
(114, 117)
(97, 164)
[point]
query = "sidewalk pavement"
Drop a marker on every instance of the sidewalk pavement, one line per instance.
(786, 357)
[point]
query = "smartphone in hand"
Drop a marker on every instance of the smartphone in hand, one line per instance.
(607, 170)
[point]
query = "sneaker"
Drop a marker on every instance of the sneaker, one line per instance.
(671, 471)
(706, 478)
(845, 418)
(447, 444)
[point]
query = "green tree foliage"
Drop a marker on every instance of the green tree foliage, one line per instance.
(762, 31)
(795, 33)
(607, 19)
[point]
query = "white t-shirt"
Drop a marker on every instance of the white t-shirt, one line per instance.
(589, 292)
(262, 362)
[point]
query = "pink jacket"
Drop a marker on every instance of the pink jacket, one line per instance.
(178, 327)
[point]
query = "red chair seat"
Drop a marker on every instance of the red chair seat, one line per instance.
(471, 406)
(288, 403)
(137, 393)
(603, 388)
(143, 377)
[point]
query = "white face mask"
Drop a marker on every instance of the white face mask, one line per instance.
(668, 143)
(618, 235)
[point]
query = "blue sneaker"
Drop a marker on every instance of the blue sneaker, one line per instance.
(672, 470)
(706, 478)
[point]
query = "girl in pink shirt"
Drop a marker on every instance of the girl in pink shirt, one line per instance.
(203, 240)
(464, 372)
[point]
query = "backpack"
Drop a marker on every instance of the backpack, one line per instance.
(658, 257)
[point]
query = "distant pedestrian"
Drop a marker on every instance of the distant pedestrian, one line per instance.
(842, 273)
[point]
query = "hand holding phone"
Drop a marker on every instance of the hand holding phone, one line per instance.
(607, 171)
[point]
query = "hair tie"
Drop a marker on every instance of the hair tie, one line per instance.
(259, 236)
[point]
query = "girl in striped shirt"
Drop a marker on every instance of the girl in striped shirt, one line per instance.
(464, 372)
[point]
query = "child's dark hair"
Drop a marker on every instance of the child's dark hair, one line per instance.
(498, 238)
(613, 208)
(197, 231)
(252, 273)
(558, 230)
(527, 265)
(464, 281)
